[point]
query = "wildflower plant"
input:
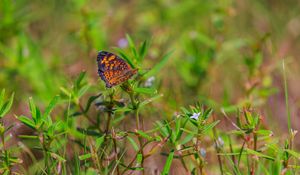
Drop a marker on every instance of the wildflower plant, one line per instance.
(89, 129)
(7, 157)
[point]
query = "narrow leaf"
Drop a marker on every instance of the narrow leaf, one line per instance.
(143, 50)
(145, 90)
(135, 146)
(57, 157)
(27, 121)
(250, 151)
(293, 153)
(150, 100)
(158, 66)
(168, 163)
(90, 101)
(6, 107)
(2, 97)
(132, 46)
(85, 156)
(146, 136)
(79, 79)
(99, 141)
(51, 106)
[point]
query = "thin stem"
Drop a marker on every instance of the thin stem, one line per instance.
(128, 89)
(108, 123)
(115, 151)
(45, 149)
(286, 97)
(217, 148)
(137, 118)
(255, 148)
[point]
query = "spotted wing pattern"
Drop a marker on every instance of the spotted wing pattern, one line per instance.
(112, 69)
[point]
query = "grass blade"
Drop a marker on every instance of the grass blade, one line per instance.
(168, 163)
(158, 66)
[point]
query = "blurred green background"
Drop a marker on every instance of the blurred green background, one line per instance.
(226, 53)
(222, 49)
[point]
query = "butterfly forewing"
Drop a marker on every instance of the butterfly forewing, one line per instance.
(112, 69)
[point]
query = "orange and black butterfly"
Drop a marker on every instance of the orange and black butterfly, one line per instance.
(112, 69)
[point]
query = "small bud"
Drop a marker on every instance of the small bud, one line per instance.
(203, 152)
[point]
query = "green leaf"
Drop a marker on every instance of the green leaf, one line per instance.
(135, 146)
(57, 157)
(250, 151)
(83, 90)
(33, 110)
(85, 156)
(207, 114)
(158, 66)
(186, 139)
(27, 121)
(79, 80)
(6, 107)
(132, 46)
(143, 51)
(90, 101)
(168, 163)
(150, 100)
(206, 128)
(51, 106)
(122, 109)
(143, 134)
(139, 158)
(145, 90)
(99, 141)
(188, 131)
(2, 97)
(65, 92)
(293, 153)
(264, 132)
(162, 129)
(28, 136)
(76, 164)
(179, 132)
(6, 172)
(206, 40)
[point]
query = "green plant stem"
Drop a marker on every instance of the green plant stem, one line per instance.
(45, 149)
(286, 94)
(134, 158)
(137, 118)
(108, 123)
(217, 149)
(115, 151)
(254, 148)
(4, 151)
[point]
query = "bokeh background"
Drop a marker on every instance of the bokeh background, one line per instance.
(225, 53)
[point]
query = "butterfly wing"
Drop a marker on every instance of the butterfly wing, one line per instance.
(112, 69)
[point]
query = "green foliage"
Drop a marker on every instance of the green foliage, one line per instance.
(5, 105)
(202, 101)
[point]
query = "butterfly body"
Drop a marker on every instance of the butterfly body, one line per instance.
(112, 69)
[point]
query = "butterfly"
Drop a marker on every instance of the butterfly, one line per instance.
(112, 69)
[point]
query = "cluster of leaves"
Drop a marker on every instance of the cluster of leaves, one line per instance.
(91, 124)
